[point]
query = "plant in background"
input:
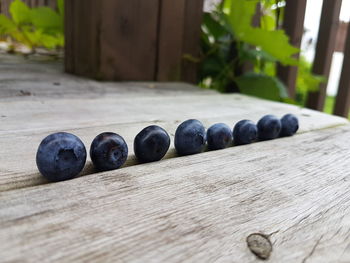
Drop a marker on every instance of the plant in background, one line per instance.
(34, 27)
(231, 43)
(306, 80)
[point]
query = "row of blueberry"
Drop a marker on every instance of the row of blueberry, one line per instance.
(62, 156)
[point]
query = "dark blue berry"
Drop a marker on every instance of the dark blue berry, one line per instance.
(245, 132)
(108, 151)
(269, 127)
(61, 156)
(290, 125)
(151, 144)
(190, 137)
(219, 136)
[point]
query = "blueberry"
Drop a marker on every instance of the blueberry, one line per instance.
(245, 132)
(151, 144)
(219, 136)
(190, 137)
(60, 156)
(290, 125)
(269, 127)
(108, 151)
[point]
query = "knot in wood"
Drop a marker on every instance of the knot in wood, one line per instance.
(260, 245)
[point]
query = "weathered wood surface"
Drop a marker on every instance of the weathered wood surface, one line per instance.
(26, 123)
(133, 40)
(198, 208)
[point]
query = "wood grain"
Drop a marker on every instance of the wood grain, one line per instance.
(132, 40)
(191, 43)
(82, 39)
(36, 99)
(111, 40)
(199, 208)
(128, 39)
(170, 40)
(26, 123)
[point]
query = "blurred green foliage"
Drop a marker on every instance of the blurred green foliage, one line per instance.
(34, 27)
(229, 41)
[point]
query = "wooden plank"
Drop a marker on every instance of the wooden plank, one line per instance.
(192, 31)
(170, 40)
(133, 40)
(31, 79)
(42, 114)
(342, 103)
(199, 208)
(25, 123)
(120, 45)
(341, 36)
(324, 50)
(36, 99)
(293, 24)
(128, 39)
(82, 40)
(86, 22)
(69, 40)
(179, 36)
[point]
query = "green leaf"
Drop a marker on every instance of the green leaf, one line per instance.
(49, 41)
(240, 13)
(34, 27)
(46, 19)
(34, 36)
(60, 6)
(213, 66)
(307, 81)
(213, 27)
(6, 25)
(21, 37)
(262, 86)
(276, 43)
(268, 22)
(20, 12)
(253, 54)
(270, 69)
(289, 101)
(39, 38)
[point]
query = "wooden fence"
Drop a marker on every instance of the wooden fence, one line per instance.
(326, 45)
(146, 40)
(133, 40)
